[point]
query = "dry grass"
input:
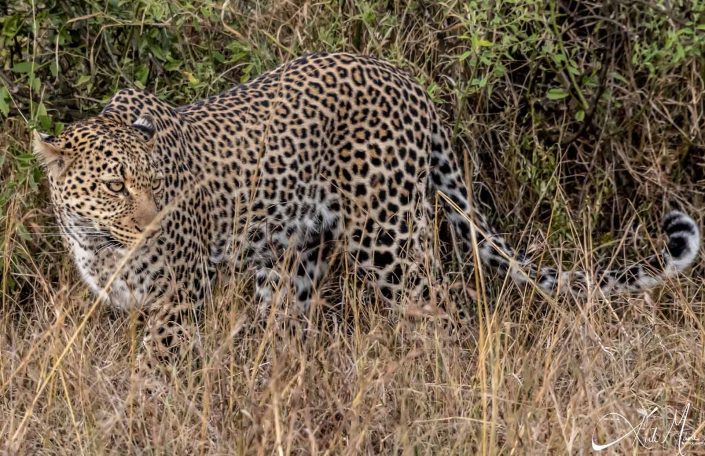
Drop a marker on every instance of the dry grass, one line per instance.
(510, 380)
(523, 375)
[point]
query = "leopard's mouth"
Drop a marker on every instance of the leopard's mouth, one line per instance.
(126, 239)
(112, 241)
(107, 240)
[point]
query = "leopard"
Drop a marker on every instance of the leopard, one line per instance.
(328, 158)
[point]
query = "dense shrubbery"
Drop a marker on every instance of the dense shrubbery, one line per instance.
(583, 96)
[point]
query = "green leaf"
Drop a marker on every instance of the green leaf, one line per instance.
(141, 74)
(556, 93)
(42, 116)
(464, 56)
(11, 25)
(84, 78)
(22, 67)
(172, 66)
(4, 101)
(193, 80)
(54, 68)
(34, 83)
(41, 109)
(572, 67)
(25, 158)
(477, 43)
(619, 77)
(58, 128)
(158, 52)
(580, 115)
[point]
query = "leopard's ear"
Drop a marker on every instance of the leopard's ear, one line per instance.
(145, 126)
(52, 158)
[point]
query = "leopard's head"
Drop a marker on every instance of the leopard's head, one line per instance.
(104, 181)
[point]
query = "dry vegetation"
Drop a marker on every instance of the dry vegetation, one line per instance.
(575, 120)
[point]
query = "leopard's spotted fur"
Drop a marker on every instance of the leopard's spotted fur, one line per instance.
(330, 156)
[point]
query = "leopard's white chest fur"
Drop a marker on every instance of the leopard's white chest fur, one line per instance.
(98, 272)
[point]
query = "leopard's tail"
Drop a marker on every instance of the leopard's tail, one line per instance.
(679, 253)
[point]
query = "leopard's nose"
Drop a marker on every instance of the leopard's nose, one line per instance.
(146, 212)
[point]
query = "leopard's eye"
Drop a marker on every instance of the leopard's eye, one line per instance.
(157, 184)
(115, 186)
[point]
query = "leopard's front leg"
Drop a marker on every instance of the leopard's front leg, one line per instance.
(169, 331)
(170, 339)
